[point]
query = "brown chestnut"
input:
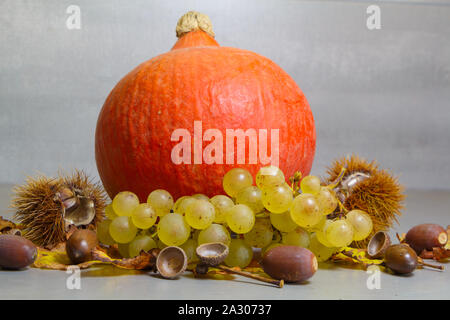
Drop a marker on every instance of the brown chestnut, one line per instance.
(80, 244)
(16, 252)
(426, 237)
(289, 263)
(400, 258)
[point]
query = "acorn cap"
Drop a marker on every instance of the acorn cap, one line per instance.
(213, 253)
(378, 244)
(171, 262)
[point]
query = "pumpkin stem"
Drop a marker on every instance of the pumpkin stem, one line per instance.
(192, 21)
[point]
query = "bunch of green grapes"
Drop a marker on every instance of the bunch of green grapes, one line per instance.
(263, 216)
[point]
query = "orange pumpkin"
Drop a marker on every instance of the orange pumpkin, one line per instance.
(218, 87)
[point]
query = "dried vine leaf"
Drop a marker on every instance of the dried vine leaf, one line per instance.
(57, 259)
(6, 225)
(437, 254)
(145, 261)
(354, 255)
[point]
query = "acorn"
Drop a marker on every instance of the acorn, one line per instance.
(16, 252)
(80, 244)
(360, 184)
(171, 262)
(426, 237)
(289, 263)
(47, 207)
(402, 259)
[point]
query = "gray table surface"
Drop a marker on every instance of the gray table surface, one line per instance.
(330, 282)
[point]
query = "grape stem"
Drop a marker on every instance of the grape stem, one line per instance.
(278, 283)
(295, 182)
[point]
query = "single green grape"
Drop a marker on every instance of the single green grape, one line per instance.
(141, 242)
(261, 234)
(252, 197)
(326, 200)
(103, 235)
(200, 214)
(144, 216)
(299, 237)
(361, 222)
(214, 233)
(161, 201)
(124, 203)
(235, 180)
(109, 212)
(283, 221)
(270, 176)
(240, 254)
(339, 233)
(123, 250)
(182, 204)
(177, 205)
(222, 203)
(200, 196)
(277, 199)
(322, 253)
(310, 184)
(305, 211)
(122, 229)
(321, 233)
(173, 229)
(189, 248)
(240, 218)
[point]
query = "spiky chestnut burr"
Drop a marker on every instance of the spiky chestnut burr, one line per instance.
(46, 207)
(366, 187)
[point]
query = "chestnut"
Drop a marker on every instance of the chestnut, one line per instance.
(400, 258)
(16, 252)
(80, 244)
(289, 263)
(426, 237)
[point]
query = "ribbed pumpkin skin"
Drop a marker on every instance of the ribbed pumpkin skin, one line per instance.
(225, 88)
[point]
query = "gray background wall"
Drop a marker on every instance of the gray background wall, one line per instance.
(383, 94)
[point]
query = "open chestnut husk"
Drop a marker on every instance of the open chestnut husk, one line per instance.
(80, 244)
(426, 237)
(16, 252)
(171, 262)
(378, 244)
